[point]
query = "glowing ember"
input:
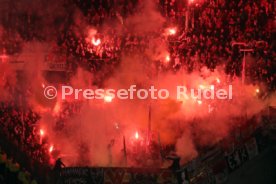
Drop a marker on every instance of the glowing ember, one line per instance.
(108, 98)
(51, 148)
(136, 135)
(96, 42)
(257, 90)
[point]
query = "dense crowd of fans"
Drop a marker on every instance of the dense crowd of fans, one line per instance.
(11, 172)
(20, 142)
(206, 34)
(217, 27)
(212, 36)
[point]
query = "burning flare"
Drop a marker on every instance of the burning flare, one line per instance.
(108, 98)
(199, 102)
(170, 31)
(41, 132)
(168, 58)
(96, 42)
(51, 149)
(136, 135)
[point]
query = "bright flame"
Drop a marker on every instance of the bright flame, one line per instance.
(41, 132)
(136, 135)
(201, 86)
(172, 31)
(108, 98)
(168, 58)
(95, 41)
(257, 90)
(51, 148)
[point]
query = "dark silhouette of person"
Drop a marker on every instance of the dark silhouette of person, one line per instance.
(175, 167)
(57, 170)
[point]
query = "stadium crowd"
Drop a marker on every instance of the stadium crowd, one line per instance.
(20, 144)
(211, 37)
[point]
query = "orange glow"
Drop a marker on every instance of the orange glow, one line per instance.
(257, 90)
(96, 42)
(57, 108)
(92, 32)
(199, 102)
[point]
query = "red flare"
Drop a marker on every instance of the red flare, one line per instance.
(41, 132)
(96, 42)
(51, 149)
(172, 31)
(137, 135)
(168, 58)
(108, 99)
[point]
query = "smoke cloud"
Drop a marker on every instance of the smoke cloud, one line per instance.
(94, 134)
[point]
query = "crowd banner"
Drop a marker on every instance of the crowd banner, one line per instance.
(150, 176)
(116, 175)
(242, 154)
(80, 175)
